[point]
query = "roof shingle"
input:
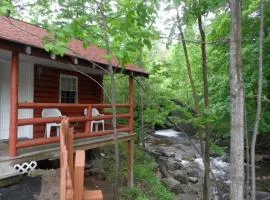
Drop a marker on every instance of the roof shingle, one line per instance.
(21, 32)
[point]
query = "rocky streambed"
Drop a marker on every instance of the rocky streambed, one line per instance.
(181, 168)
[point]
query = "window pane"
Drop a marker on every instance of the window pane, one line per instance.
(68, 83)
(68, 89)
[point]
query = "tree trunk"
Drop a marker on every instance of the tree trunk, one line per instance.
(259, 105)
(142, 105)
(113, 102)
(206, 186)
(193, 88)
(237, 104)
(142, 118)
(190, 76)
(248, 158)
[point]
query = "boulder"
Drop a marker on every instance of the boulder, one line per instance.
(193, 180)
(167, 162)
(180, 176)
(262, 195)
(172, 185)
(186, 197)
(177, 165)
(188, 155)
(194, 172)
(188, 189)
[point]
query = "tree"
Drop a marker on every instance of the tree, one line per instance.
(259, 102)
(121, 27)
(5, 7)
(237, 104)
(206, 189)
(191, 79)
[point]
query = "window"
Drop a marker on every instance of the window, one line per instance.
(68, 89)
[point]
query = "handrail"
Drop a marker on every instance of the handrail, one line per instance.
(87, 119)
(42, 141)
(25, 105)
(41, 120)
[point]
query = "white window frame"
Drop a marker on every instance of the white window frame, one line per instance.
(60, 84)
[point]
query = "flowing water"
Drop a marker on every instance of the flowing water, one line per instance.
(220, 168)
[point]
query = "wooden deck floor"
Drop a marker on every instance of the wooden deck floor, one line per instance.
(51, 151)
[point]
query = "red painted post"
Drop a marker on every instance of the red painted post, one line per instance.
(131, 102)
(88, 123)
(14, 91)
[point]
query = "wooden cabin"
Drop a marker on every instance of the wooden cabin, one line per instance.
(33, 80)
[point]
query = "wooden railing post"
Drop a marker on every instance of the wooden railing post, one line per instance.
(131, 102)
(88, 123)
(70, 150)
(14, 91)
(131, 142)
(130, 163)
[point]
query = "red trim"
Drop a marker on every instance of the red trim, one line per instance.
(14, 82)
(131, 102)
(42, 141)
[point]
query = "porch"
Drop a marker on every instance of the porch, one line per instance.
(51, 151)
(15, 149)
(74, 111)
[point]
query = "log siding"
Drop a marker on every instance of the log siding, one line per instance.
(47, 90)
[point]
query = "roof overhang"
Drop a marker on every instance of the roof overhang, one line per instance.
(23, 48)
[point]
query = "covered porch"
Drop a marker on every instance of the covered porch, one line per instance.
(76, 113)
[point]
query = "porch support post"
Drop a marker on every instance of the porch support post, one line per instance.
(131, 142)
(130, 163)
(88, 123)
(14, 82)
(131, 102)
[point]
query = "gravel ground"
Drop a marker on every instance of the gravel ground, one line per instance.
(26, 189)
(45, 185)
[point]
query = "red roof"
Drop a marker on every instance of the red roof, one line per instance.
(25, 33)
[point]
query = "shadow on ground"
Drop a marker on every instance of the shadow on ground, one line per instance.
(26, 189)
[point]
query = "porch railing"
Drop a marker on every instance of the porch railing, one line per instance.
(87, 119)
(14, 144)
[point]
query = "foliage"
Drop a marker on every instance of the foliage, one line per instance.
(5, 7)
(126, 24)
(147, 184)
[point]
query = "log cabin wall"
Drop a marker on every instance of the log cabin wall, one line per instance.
(46, 90)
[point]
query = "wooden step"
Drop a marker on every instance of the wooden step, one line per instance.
(8, 175)
(92, 195)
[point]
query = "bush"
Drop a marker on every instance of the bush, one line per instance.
(147, 184)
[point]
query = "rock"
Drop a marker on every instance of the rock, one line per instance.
(172, 185)
(188, 155)
(163, 170)
(193, 180)
(186, 197)
(167, 162)
(179, 147)
(166, 153)
(188, 189)
(180, 176)
(170, 164)
(262, 195)
(193, 172)
(177, 165)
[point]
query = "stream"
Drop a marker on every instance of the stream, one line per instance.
(181, 167)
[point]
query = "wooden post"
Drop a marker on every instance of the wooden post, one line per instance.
(70, 150)
(14, 82)
(88, 123)
(79, 175)
(131, 102)
(130, 163)
(131, 142)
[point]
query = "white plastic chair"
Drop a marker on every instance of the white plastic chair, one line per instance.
(95, 113)
(52, 112)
